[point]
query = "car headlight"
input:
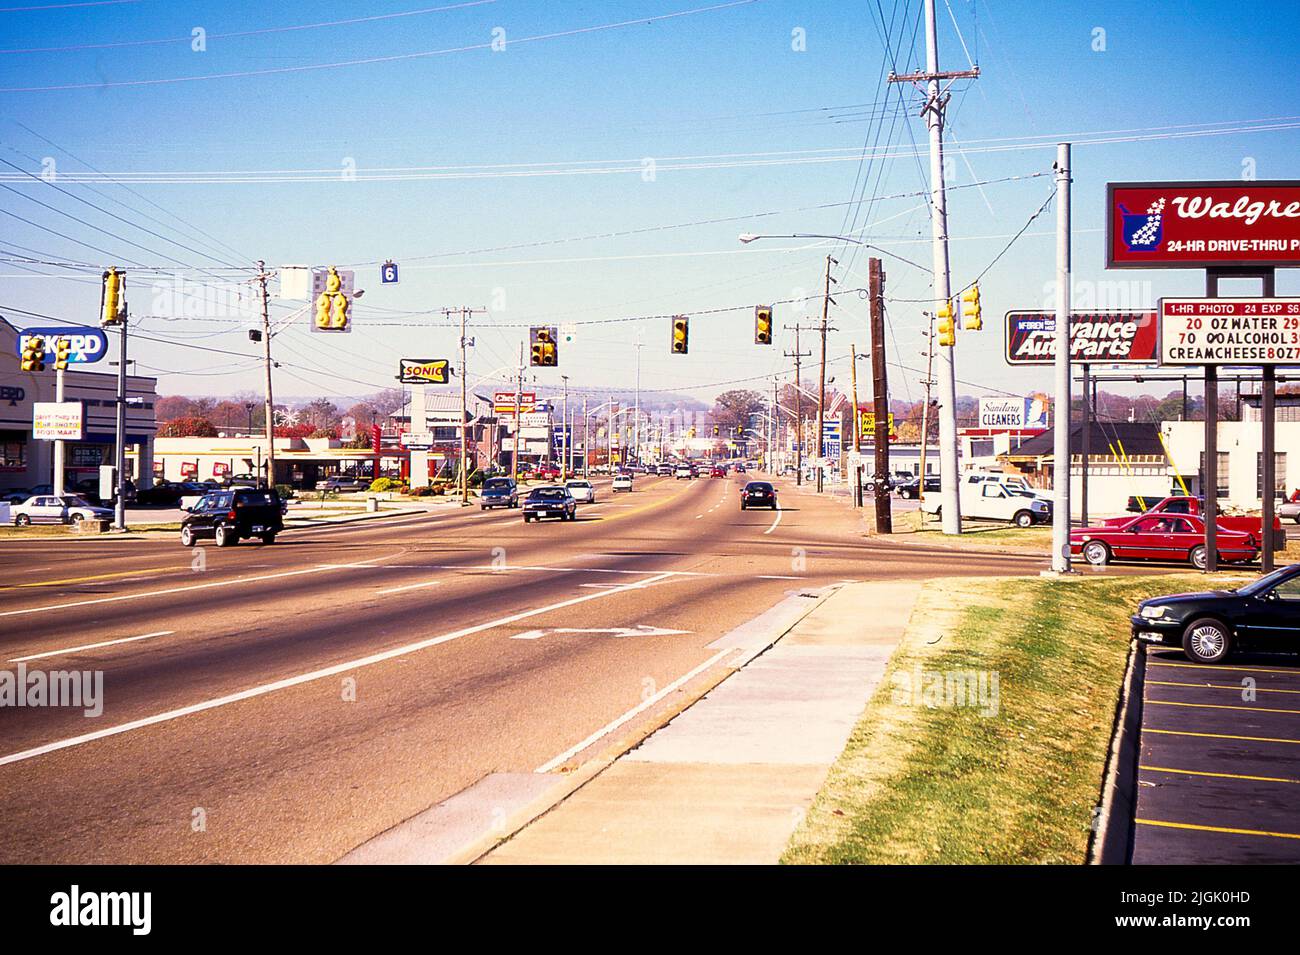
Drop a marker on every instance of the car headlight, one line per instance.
(1039, 506)
(1153, 613)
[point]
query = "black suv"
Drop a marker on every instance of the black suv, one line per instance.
(231, 515)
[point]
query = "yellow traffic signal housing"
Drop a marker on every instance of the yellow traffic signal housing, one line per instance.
(333, 307)
(544, 349)
(692, 431)
(34, 354)
(62, 353)
(681, 335)
(111, 298)
(972, 319)
(947, 327)
(715, 430)
(763, 325)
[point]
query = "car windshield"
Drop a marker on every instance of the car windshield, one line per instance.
(758, 486)
(547, 494)
(580, 484)
(1268, 581)
(255, 497)
(496, 483)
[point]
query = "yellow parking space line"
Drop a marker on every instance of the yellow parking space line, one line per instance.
(1235, 832)
(1217, 686)
(1197, 772)
(1248, 739)
(1215, 666)
(1221, 706)
(87, 579)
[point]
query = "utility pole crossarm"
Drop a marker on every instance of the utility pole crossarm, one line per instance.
(923, 77)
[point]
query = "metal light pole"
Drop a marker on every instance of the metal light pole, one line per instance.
(564, 425)
(1061, 432)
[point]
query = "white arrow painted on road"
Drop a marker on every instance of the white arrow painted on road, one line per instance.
(641, 630)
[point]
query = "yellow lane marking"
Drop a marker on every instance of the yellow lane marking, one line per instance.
(1251, 739)
(1213, 666)
(1195, 772)
(1221, 706)
(1217, 686)
(649, 506)
(82, 580)
(1238, 832)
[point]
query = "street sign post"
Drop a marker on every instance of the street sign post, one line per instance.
(388, 273)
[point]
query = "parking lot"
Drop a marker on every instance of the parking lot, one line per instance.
(1219, 764)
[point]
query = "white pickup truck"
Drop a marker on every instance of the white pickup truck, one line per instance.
(988, 499)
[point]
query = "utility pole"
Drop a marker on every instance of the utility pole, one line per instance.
(773, 422)
(266, 347)
(119, 510)
(564, 426)
(797, 355)
(636, 420)
(880, 392)
(59, 460)
(465, 313)
(1061, 431)
(821, 387)
(925, 410)
(586, 440)
(936, 102)
(519, 397)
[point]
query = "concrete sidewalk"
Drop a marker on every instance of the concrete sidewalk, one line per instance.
(729, 779)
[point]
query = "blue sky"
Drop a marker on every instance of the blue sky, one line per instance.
(784, 129)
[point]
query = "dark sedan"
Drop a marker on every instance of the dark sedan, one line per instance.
(498, 492)
(757, 494)
(553, 501)
(1262, 615)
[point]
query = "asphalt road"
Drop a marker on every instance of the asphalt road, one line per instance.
(285, 703)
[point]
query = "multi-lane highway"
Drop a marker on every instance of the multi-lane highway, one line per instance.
(287, 703)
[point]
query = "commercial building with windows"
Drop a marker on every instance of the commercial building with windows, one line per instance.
(26, 462)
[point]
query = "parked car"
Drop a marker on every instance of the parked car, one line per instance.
(548, 472)
(870, 481)
(233, 515)
(498, 492)
(344, 482)
(1169, 537)
(1264, 614)
(49, 509)
(757, 494)
(1195, 506)
(993, 501)
(622, 482)
(912, 489)
(583, 492)
(551, 501)
(1289, 511)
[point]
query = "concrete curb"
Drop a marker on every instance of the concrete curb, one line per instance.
(1111, 842)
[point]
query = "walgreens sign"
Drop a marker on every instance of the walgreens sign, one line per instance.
(1183, 225)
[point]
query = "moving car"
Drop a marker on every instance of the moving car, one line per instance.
(622, 482)
(232, 515)
(498, 492)
(665, 470)
(551, 501)
(1263, 615)
(683, 471)
(717, 472)
(757, 494)
(583, 492)
(49, 509)
(1172, 537)
(1195, 506)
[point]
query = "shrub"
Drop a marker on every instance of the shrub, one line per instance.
(285, 491)
(384, 484)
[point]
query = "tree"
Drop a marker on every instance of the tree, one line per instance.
(320, 413)
(169, 407)
(733, 409)
(190, 427)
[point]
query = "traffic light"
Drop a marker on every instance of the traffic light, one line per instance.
(947, 328)
(62, 352)
(111, 298)
(972, 320)
(763, 325)
(740, 431)
(545, 350)
(681, 334)
(333, 309)
(692, 431)
(715, 430)
(34, 354)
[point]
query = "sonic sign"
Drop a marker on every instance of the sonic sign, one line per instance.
(1190, 225)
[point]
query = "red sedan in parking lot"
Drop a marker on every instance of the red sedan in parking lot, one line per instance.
(1160, 537)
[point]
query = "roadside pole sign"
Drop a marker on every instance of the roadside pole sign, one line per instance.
(424, 371)
(503, 402)
(85, 345)
(1127, 337)
(867, 425)
(58, 421)
(416, 440)
(388, 273)
(1190, 225)
(1230, 331)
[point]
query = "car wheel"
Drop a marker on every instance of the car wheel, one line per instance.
(268, 537)
(225, 536)
(22, 520)
(1206, 641)
(187, 537)
(1024, 519)
(1199, 557)
(1096, 553)
(482, 507)
(742, 505)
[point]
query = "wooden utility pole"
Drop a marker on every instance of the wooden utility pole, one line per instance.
(798, 355)
(880, 392)
(266, 349)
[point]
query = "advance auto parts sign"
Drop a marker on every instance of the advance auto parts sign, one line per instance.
(1100, 337)
(1188, 225)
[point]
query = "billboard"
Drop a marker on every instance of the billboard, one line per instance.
(84, 344)
(503, 402)
(423, 371)
(57, 421)
(1101, 337)
(1012, 413)
(1188, 225)
(1226, 331)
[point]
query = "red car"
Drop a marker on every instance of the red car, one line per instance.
(1167, 537)
(548, 472)
(718, 472)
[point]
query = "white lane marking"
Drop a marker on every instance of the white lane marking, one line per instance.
(302, 678)
(630, 714)
(571, 570)
(775, 522)
(698, 516)
(528, 635)
(181, 590)
(398, 590)
(91, 646)
(776, 577)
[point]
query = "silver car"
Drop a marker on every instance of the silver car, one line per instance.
(1289, 511)
(49, 509)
